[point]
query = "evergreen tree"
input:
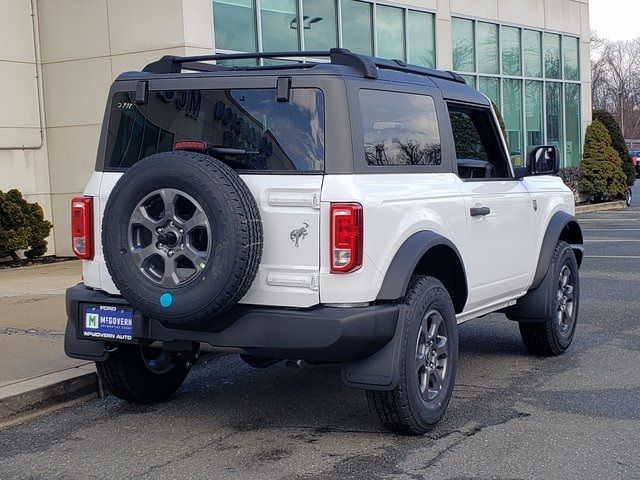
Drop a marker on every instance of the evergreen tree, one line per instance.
(602, 175)
(617, 142)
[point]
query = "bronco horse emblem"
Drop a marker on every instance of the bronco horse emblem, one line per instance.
(299, 233)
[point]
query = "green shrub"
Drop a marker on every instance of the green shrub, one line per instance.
(617, 142)
(22, 226)
(602, 175)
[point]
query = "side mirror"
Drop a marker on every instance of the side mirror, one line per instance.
(544, 160)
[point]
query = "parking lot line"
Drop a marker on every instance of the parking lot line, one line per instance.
(612, 240)
(627, 257)
(607, 219)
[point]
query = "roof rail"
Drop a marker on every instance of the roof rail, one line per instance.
(367, 65)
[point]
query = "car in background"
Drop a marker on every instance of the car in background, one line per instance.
(635, 158)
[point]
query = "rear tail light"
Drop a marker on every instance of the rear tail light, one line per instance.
(81, 227)
(346, 237)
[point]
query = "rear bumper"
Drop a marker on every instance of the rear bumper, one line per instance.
(316, 334)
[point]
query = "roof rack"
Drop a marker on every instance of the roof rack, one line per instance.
(367, 65)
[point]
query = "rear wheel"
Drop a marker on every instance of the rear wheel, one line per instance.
(142, 374)
(554, 335)
(428, 362)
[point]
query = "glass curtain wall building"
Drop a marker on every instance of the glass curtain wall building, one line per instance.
(530, 72)
(371, 28)
(532, 76)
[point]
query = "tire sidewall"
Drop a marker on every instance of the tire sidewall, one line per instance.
(154, 173)
(564, 257)
(428, 413)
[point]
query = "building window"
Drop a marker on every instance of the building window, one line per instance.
(357, 26)
(233, 16)
(421, 39)
(552, 55)
(512, 113)
(390, 33)
(487, 46)
(573, 147)
(570, 54)
(320, 24)
(510, 38)
(463, 45)
(490, 86)
(535, 112)
(291, 25)
(554, 114)
(532, 47)
(279, 20)
(533, 107)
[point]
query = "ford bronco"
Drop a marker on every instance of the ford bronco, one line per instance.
(351, 210)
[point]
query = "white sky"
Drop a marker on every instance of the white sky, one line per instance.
(615, 19)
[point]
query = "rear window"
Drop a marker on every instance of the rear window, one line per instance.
(264, 134)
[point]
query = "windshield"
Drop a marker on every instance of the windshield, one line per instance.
(264, 134)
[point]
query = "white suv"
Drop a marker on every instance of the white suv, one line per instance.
(351, 211)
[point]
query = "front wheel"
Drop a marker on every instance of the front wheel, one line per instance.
(142, 374)
(554, 335)
(428, 362)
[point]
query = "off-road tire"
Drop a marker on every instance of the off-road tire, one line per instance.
(547, 338)
(403, 410)
(125, 374)
(236, 241)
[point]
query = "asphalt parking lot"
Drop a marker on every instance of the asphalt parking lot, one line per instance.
(513, 416)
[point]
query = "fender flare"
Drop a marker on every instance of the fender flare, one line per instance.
(406, 259)
(557, 224)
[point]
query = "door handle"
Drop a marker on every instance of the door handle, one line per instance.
(480, 211)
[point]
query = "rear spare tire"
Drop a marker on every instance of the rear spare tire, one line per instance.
(182, 236)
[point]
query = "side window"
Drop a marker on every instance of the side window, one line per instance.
(479, 152)
(399, 129)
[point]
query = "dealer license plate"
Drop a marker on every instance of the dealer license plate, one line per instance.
(107, 321)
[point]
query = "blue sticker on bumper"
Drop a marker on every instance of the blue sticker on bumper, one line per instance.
(107, 322)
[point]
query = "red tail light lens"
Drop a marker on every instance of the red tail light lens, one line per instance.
(81, 227)
(346, 237)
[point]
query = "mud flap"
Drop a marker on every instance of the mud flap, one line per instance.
(533, 306)
(379, 371)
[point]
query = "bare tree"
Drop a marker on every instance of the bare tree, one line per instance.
(615, 80)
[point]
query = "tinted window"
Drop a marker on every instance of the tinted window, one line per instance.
(266, 134)
(478, 148)
(399, 128)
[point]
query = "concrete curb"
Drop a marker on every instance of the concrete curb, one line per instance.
(26, 399)
(23, 398)
(597, 207)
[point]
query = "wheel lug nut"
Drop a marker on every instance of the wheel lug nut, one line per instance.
(160, 230)
(181, 231)
(170, 253)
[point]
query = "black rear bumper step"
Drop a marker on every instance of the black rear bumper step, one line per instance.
(328, 334)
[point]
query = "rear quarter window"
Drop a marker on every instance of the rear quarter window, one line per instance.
(399, 129)
(265, 134)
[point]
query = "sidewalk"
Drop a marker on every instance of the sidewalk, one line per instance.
(32, 324)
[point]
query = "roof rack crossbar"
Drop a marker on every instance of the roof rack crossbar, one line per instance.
(367, 65)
